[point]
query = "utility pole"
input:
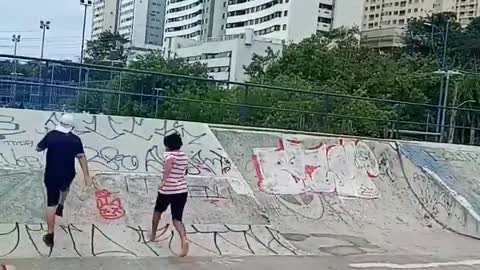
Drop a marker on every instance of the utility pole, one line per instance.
(44, 26)
(16, 40)
(85, 4)
(443, 95)
(447, 74)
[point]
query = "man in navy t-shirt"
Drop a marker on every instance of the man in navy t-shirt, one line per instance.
(63, 147)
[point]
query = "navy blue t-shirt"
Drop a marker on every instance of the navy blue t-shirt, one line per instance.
(62, 149)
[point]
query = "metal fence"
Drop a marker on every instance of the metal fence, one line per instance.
(59, 85)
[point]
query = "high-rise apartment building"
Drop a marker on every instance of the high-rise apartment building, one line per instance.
(384, 21)
(197, 20)
(105, 16)
(148, 23)
(140, 21)
(290, 20)
(466, 10)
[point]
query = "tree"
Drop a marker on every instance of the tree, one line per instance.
(108, 49)
(335, 63)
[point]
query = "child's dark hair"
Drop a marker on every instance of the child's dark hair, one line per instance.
(173, 141)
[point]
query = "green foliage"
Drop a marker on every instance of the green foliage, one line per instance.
(326, 83)
(107, 49)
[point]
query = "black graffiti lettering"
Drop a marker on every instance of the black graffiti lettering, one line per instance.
(209, 164)
(18, 143)
(218, 240)
(50, 124)
(19, 162)
(189, 138)
(206, 192)
(9, 127)
(153, 161)
(70, 229)
(105, 237)
(92, 127)
(14, 231)
(111, 158)
(458, 156)
(39, 230)
(137, 122)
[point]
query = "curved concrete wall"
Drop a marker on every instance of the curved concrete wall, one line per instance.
(251, 192)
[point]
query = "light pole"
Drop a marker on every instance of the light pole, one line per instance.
(85, 4)
(16, 40)
(44, 26)
(443, 96)
(446, 74)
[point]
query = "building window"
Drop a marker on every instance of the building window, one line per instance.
(284, 27)
(285, 13)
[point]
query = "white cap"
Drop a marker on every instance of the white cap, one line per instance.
(66, 123)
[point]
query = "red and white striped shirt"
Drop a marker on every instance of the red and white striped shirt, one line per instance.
(175, 170)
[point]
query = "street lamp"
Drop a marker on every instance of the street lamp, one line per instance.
(44, 26)
(85, 4)
(16, 40)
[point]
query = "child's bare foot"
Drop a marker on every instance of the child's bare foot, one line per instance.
(184, 251)
(153, 237)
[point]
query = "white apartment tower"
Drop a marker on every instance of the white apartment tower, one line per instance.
(466, 10)
(290, 20)
(385, 20)
(105, 16)
(194, 19)
(140, 21)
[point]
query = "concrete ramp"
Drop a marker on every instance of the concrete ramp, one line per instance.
(448, 184)
(250, 192)
(350, 196)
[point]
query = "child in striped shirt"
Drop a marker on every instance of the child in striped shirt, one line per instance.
(173, 191)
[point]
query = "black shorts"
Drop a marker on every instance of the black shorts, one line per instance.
(54, 186)
(176, 201)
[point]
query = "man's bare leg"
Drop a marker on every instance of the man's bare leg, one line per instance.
(180, 227)
(48, 239)
(51, 219)
(157, 216)
(63, 198)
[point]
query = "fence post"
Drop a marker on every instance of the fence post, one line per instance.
(243, 108)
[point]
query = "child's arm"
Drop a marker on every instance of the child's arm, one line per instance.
(167, 168)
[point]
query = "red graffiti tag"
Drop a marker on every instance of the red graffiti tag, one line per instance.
(108, 207)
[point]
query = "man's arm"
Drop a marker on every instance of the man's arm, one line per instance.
(43, 145)
(84, 165)
(82, 159)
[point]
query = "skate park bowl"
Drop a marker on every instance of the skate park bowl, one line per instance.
(251, 192)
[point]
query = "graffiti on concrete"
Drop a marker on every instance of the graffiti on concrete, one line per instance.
(346, 168)
(10, 159)
(113, 144)
(325, 207)
(9, 127)
(334, 244)
(20, 240)
(445, 155)
(437, 201)
(108, 207)
(124, 198)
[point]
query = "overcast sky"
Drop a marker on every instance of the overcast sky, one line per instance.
(63, 40)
